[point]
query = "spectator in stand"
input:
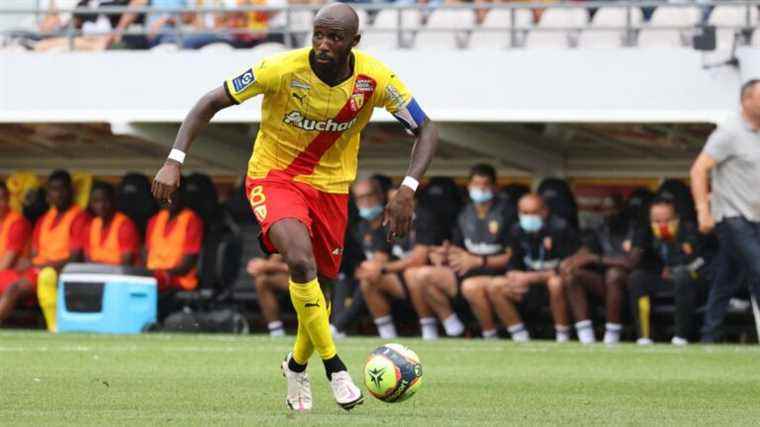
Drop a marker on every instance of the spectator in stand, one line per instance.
(173, 243)
(730, 165)
(249, 29)
(57, 240)
(112, 237)
(54, 22)
(270, 276)
(537, 245)
(98, 31)
(15, 232)
(479, 251)
(162, 26)
(670, 258)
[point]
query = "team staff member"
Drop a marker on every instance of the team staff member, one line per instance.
(479, 251)
(15, 233)
(270, 277)
(58, 239)
(538, 243)
(381, 276)
(173, 243)
(730, 165)
(112, 237)
(601, 267)
(676, 245)
(316, 102)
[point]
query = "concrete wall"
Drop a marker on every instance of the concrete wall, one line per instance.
(621, 85)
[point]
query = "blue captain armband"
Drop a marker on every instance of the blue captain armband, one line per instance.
(411, 116)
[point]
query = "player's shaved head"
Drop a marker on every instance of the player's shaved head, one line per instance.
(531, 204)
(338, 16)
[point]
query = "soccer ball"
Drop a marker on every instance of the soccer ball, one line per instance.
(393, 373)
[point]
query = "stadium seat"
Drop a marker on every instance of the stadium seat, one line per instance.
(607, 17)
(217, 47)
(165, 48)
(387, 21)
(135, 199)
(669, 16)
(437, 33)
(732, 16)
(500, 19)
(558, 18)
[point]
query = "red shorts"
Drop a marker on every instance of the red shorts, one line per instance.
(9, 277)
(325, 215)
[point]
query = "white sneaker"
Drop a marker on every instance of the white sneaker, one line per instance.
(644, 341)
(299, 388)
(679, 341)
(346, 393)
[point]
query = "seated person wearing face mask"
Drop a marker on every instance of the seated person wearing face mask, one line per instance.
(381, 275)
(671, 261)
(601, 268)
(538, 243)
(479, 251)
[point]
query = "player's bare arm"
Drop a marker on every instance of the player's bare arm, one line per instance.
(398, 213)
(167, 179)
(700, 189)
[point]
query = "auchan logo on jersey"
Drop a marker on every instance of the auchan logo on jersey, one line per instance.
(295, 118)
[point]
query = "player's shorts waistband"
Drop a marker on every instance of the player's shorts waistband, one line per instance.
(314, 182)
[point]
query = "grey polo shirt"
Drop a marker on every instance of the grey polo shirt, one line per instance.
(736, 177)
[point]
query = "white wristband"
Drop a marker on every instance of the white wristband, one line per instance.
(177, 155)
(411, 183)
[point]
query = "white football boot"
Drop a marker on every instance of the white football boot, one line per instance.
(346, 393)
(299, 388)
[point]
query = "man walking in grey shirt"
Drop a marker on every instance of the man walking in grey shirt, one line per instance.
(731, 158)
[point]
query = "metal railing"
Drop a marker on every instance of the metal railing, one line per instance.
(293, 32)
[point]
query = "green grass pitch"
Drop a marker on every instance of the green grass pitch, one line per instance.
(235, 380)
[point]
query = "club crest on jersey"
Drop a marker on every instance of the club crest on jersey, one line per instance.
(364, 85)
(357, 101)
(261, 212)
(297, 119)
(244, 80)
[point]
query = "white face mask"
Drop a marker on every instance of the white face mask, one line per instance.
(480, 195)
(531, 223)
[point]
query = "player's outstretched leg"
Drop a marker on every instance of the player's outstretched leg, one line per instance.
(292, 240)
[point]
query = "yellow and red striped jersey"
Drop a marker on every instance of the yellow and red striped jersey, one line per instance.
(309, 130)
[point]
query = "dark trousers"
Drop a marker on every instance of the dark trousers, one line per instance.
(684, 288)
(738, 257)
(346, 315)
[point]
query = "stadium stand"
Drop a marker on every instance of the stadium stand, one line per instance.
(453, 25)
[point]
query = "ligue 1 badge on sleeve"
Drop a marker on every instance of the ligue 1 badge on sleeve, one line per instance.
(244, 80)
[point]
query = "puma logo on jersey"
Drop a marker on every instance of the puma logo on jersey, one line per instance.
(299, 97)
(295, 118)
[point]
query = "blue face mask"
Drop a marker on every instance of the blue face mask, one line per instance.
(369, 214)
(479, 195)
(531, 223)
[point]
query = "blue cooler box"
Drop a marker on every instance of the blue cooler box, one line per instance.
(106, 299)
